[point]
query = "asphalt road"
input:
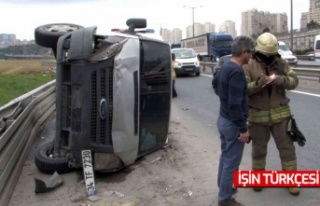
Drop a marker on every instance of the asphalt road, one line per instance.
(312, 64)
(196, 94)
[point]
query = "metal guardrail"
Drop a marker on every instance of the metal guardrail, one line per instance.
(307, 72)
(209, 65)
(305, 57)
(49, 63)
(22, 119)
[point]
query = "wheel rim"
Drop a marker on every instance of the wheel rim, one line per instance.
(61, 28)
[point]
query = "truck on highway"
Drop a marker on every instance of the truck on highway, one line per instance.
(209, 46)
(173, 46)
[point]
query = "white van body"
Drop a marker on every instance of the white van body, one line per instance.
(316, 48)
(284, 47)
(186, 61)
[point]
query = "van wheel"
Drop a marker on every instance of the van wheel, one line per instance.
(197, 73)
(48, 35)
(48, 164)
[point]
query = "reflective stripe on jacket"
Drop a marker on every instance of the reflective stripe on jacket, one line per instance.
(269, 104)
(173, 72)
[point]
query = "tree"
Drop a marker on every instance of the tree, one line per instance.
(266, 30)
(313, 25)
(254, 36)
(30, 49)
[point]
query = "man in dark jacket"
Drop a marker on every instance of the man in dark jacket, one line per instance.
(231, 87)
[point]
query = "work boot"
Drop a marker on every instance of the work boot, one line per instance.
(291, 166)
(258, 165)
(231, 202)
(234, 190)
(294, 191)
(257, 189)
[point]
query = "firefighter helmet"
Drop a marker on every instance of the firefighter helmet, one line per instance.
(267, 44)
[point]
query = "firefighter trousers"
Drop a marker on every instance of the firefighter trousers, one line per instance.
(260, 134)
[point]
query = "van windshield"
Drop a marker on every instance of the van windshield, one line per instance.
(184, 53)
(284, 47)
(221, 43)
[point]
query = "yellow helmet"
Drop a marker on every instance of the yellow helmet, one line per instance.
(267, 44)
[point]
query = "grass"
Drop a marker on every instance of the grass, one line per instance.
(18, 77)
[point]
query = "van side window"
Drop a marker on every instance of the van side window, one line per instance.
(318, 45)
(155, 63)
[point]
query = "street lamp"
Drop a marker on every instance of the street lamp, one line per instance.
(291, 37)
(192, 7)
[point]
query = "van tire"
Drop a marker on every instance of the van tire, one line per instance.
(48, 35)
(49, 165)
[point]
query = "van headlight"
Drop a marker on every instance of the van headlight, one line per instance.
(177, 65)
(197, 63)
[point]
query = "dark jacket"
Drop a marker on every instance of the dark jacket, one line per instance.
(231, 87)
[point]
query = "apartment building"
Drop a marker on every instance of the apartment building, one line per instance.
(165, 34)
(199, 29)
(7, 38)
(176, 36)
(304, 20)
(253, 22)
(209, 27)
(281, 22)
(172, 36)
(194, 30)
(314, 10)
(228, 27)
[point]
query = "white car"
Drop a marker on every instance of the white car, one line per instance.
(290, 58)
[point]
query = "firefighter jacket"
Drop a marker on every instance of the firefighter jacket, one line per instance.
(269, 104)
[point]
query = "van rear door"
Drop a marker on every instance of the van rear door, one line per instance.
(317, 48)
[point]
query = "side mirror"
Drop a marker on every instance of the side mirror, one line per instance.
(136, 24)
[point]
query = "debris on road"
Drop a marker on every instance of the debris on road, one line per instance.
(53, 182)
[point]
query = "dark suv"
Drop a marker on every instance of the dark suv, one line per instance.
(221, 61)
(113, 96)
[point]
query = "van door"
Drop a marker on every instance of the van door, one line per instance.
(155, 95)
(317, 48)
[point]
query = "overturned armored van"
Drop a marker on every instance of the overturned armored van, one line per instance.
(113, 96)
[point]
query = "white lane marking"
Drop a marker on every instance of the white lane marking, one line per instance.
(306, 93)
(206, 75)
(299, 92)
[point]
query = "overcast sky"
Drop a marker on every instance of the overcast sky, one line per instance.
(21, 17)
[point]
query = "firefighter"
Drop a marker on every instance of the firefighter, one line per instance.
(268, 77)
(173, 75)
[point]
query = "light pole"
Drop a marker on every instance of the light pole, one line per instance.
(291, 37)
(192, 7)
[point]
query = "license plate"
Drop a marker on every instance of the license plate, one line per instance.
(88, 172)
